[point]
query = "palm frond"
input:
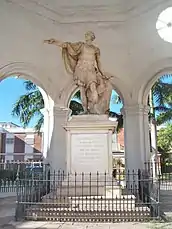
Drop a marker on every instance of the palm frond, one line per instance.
(29, 85)
(39, 123)
(165, 77)
(162, 109)
(77, 95)
(161, 91)
(76, 107)
(27, 106)
(164, 117)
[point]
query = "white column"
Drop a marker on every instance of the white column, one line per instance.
(45, 136)
(153, 135)
(9, 154)
(58, 146)
(115, 146)
(136, 129)
(154, 158)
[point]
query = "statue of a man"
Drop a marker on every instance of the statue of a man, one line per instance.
(82, 60)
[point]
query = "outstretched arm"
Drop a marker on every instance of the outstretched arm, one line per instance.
(55, 42)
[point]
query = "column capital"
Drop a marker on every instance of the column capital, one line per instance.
(61, 111)
(137, 109)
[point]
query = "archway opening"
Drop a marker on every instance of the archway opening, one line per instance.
(22, 119)
(159, 100)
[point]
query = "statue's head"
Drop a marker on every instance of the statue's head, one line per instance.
(89, 36)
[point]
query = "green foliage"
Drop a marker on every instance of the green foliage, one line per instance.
(77, 95)
(165, 139)
(8, 175)
(76, 107)
(117, 162)
(29, 105)
(162, 95)
(119, 119)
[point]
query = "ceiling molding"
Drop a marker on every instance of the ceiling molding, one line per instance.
(82, 12)
(70, 12)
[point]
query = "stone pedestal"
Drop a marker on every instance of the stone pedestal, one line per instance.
(89, 156)
(89, 144)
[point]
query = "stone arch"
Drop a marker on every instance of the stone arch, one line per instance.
(153, 73)
(152, 82)
(29, 72)
(24, 70)
(117, 84)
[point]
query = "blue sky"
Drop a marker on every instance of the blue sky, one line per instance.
(11, 89)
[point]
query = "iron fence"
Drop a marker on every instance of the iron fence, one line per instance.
(130, 196)
(10, 170)
(165, 181)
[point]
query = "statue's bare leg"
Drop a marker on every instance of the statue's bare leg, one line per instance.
(93, 100)
(84, 100)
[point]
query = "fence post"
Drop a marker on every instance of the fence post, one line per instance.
(158, 195)
(17, 193)
(48, 177)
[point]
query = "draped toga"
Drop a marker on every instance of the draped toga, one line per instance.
(80, 61)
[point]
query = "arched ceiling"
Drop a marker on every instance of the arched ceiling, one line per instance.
(125, 32)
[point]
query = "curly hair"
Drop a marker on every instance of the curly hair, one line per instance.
(91, 34)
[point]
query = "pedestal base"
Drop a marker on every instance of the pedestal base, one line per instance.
(89, 185)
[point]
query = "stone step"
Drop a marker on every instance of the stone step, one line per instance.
(88, 204)
(139, 214)
(93, 190)
(124, 202)
(95, 202)
(88, 207)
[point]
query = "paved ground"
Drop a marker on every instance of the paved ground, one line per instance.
(7, 211)
(44, 225)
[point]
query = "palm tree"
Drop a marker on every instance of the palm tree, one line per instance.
(161, 100)
(30, 104)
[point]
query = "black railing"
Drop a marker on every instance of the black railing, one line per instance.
(9, 170)
(130, 196)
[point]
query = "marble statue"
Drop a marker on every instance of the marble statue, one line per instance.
(82, 60)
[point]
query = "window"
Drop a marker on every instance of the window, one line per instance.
(164, 25)
(10, 141)
(29, 141)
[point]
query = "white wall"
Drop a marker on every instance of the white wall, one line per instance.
(9, 154)
(29, 146)
(115, 144)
